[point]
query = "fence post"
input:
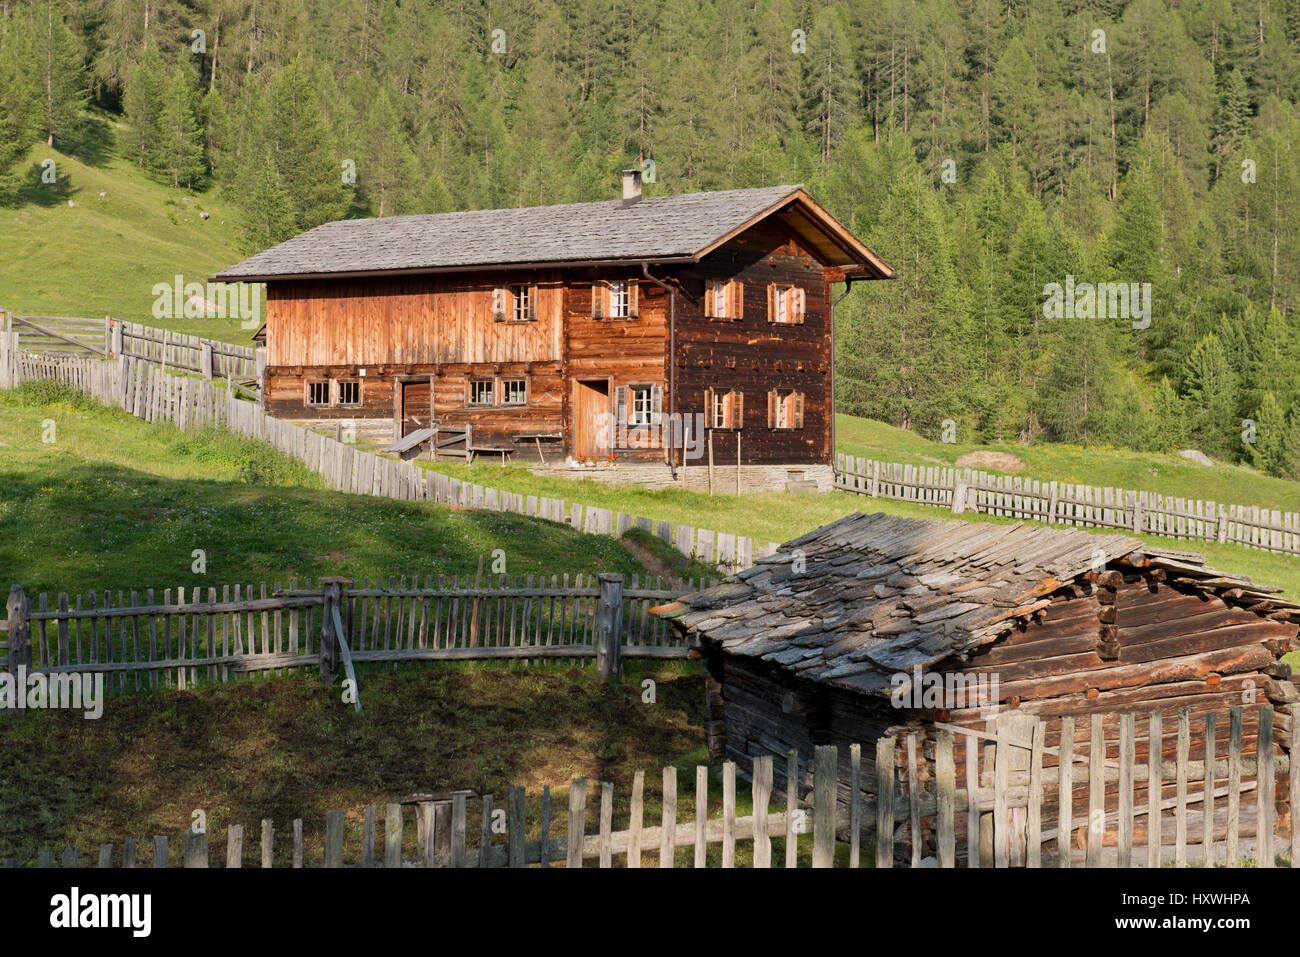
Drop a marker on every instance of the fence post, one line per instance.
(609, 626)
(20, 645)
(115, 343)
(825, 767)
(205, 358)
(329, 639)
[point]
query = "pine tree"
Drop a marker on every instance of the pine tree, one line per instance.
(1274, 446)
(180, 153)
(1212, 398)
(144, 101)
(59, 72)
(1231, 116)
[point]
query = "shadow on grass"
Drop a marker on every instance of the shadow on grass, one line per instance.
(288, 748)
(101, 526)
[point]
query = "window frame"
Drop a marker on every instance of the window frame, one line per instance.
(338, 391)
(527, 294)
(471, 382)
(634, 391)
(787, 404)
(500, 391)
(307, 389)
(789, 298)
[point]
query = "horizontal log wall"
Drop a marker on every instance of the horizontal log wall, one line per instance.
(753, 355)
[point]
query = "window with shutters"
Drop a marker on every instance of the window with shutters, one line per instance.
(523, 303)
(784, 409)
(785, 304)
(514, 392)
(724, 299)
(640, 404)
(614, 299)
(481, 391)
(318, 392)
(725, 409)
(349, 391)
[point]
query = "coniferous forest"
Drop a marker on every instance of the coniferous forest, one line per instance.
(984, 148)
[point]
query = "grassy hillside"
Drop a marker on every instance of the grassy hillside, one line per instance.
(1093, 465)
(103, 255)
(778, 516)
(114, 502)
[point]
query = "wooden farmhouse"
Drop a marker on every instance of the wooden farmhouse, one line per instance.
(822, 642)
(643, 329)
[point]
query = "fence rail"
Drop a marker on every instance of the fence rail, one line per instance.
(897, 803)
(179, 351)
(109, 337)
(179, 637)
(1063, 503)
(150, 392)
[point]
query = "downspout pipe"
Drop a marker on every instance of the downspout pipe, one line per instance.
(848, 287)
(670, 358)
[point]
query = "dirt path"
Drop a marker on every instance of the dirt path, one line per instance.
(652, 562)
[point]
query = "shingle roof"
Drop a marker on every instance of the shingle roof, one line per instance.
(656, 228)
(881, 594)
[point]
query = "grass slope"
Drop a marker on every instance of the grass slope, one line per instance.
(115, 502)
(1094, 465)
(779, 516)
(104, 255)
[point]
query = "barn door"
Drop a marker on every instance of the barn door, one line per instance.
(590, 413)
(417, 408)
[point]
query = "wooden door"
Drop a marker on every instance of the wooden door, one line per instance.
(416, 405)
(590, 410)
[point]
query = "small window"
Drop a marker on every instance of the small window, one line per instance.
(481, 392)
(724, 299)
(615, 299)
(642, 405)
(785, 304)
(784, 409)
(514, 392)
(524, 303)
(349, 392)
(318, 392)
(725, 409)
(618, 300)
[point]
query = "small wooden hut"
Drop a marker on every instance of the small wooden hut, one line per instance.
(823, 642)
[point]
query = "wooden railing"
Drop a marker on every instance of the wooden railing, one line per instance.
(143, 638)
(1063, 503)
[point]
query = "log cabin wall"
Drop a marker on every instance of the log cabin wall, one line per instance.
(754, 355)
(1138, 647)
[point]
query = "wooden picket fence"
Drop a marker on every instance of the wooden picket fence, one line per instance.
(1063, 503)
(179, 351)
(185, 636)
(825, 816)
(109, 337)
(150, 392)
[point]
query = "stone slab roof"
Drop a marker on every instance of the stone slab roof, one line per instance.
(880, 594)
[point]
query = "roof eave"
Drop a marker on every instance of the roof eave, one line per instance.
(864, 258)
(478, 267)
